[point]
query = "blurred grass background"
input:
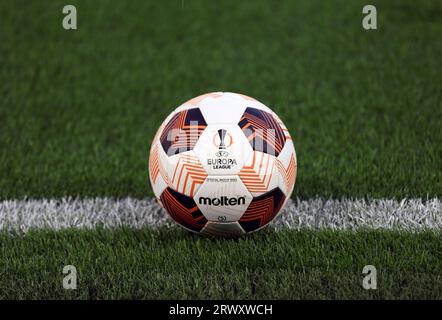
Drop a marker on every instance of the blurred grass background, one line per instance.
(78, 109)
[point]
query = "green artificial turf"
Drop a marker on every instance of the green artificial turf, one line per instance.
(172, 264)
(78, 109)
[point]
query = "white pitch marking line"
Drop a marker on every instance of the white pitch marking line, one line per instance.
(408, 214)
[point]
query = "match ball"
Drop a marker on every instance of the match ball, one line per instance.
(222, 164)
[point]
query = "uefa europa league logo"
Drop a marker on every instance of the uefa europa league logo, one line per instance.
(222, 137)
(222, 140)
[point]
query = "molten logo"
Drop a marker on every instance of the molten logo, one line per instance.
(222, 201)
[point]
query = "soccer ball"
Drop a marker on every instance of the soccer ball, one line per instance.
(222, 164)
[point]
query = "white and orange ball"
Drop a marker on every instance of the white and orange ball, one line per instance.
(222, 164)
